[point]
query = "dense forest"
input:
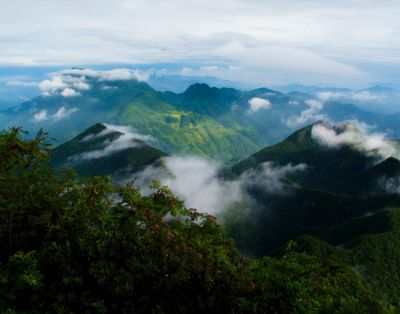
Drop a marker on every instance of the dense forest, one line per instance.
(71, 245)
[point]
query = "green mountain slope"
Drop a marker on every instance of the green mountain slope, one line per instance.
(371, 249)
(338, 184)
(338, 209)
(219, 123)
(101, 151)
(129, 102)
(326, 166)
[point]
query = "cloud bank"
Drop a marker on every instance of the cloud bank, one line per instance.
(69, 83)
(355, 134)
(199, 183)
(358, 96)
(257, 41)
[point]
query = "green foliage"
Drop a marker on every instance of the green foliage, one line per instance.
(73, 245)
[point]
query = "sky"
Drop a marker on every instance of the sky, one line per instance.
(341, 43)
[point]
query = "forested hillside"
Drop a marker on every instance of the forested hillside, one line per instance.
(82, 245)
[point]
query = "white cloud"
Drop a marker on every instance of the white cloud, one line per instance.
(270, 176)
(128, 138)
(333, 38)
(294, 102)
(107, 87)
(196, 181)
(359, 96)
(60, 114)
(69, 92)
(209, 69)
(51, 86)
(123, 74)
(356, 134)
(390, 185)
(257, 103)
(292, 61)
(21, 83)
(119, 74)
(311, 114)
(199, 184)
(67, 84)
(63, 113)
(40, 116)
(186, 71)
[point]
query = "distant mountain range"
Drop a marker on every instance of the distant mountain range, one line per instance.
(220, 123)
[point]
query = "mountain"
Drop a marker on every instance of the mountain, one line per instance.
(334, 185)
(103, 150)
(219, 123)
(131, 102)
(377, 98)
(179, 83)
(325, 165)
(308, 89)
(343, 207)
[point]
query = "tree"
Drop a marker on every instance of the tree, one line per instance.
(85, 246)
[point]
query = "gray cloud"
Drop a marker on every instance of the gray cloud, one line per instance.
(286, 38)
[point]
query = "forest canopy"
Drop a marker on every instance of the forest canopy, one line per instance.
(71, 245)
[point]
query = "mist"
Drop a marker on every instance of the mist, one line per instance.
(127, 138)
(357, 134)
(200, 184)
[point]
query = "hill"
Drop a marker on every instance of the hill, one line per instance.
(106, 150)
(334, 185)
(219, 123)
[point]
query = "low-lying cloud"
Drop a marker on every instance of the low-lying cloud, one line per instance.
(311, 114)
(66, 85)
(196, 181)
(69, 83)
(269, 176)
(120, 74)
(390, 185)
(60, 114)
(199, 183)
(359, 96)
(257, 103)
(40, 116)
(356, 134)
(128, 138)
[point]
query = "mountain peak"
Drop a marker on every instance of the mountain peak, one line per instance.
(93, 130)
(197, 88)
(100, 150)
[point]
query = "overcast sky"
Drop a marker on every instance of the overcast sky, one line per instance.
(344, 43)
